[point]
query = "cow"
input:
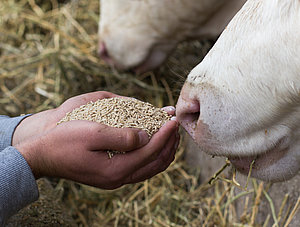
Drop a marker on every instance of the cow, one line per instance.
(243, 100)
(139, 35)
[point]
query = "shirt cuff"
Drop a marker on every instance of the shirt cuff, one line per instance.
(18, 187)
(7, 128)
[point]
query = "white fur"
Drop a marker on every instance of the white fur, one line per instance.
(141, 33)
(248, 87)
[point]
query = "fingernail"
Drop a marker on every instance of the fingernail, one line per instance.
(143, 137)
(169, 108)
(172, 119)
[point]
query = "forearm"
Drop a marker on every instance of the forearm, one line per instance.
(17, 184)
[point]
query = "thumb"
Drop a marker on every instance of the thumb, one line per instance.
(103, 137)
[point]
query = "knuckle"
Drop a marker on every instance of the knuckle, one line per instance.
(131, 139)
(105, 94)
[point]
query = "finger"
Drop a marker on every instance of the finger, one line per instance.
(102, 137)
(169, 109)
(159, 165)
(141, 157)
(80, 100)
(163, 161)
(94, 96)
(83, 99)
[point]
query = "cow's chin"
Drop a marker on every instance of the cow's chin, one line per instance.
(153, 60)
(276, 164)
(156, 56)
(138, 60)
(273, 165)
(138, 65)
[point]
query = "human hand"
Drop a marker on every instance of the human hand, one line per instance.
(76, 150)
(46, 120)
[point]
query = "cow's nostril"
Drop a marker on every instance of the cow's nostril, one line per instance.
(191, 117)
(103, 53)
(189, 111)
(102, 50)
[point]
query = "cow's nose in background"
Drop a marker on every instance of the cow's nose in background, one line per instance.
(103, 53)
(188, 113)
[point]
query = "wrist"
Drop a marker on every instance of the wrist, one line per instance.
(32, 126)
(30, 153)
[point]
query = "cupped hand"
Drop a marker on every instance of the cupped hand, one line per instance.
(40, 122)
(76, 150)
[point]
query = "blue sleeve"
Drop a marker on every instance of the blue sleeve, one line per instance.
(7, 128)
(18, 187)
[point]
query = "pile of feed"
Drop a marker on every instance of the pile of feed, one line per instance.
(121, 113)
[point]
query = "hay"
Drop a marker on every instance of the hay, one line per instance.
(48, 54)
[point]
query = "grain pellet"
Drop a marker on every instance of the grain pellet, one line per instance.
(121, 113)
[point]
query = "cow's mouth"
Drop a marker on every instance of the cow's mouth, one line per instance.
(261, 161)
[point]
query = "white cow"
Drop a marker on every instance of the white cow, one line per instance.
(243, 100)
(140, 34)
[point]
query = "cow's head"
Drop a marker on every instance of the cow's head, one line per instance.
(140, 34)
(243, 100)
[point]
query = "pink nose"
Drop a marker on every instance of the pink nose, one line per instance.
(103, 53)
(188, 113)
